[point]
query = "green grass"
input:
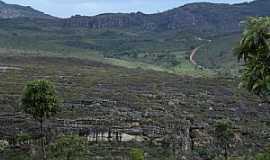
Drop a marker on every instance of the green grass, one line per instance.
(183, 68)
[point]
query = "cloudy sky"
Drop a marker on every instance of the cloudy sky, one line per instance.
(66, 8)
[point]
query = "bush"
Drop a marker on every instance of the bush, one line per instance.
(137, 154)
(68, 147)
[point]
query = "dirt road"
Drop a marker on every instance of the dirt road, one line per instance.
(191, 58)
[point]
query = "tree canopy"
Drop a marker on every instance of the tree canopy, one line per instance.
(255, 52)
(39, 99)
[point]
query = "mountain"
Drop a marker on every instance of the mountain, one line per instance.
(164, 39)
(178, 30)
(199, 17)
(17, 11)
(195, 17)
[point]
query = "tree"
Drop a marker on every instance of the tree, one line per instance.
(137, 154)
(68, 147)
(224, 135)
(39, 100)
(255, 52)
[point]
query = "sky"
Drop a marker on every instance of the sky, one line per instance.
(67, 8)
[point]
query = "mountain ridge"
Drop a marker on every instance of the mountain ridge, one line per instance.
(194, 17)
(9, 11)
(199, 17)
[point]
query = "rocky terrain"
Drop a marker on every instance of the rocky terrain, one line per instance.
(114, 107)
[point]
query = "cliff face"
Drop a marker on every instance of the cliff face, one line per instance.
(16, 11)
(106, 21)
(200, 17)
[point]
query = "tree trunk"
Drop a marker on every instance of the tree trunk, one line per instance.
(68, 156)
(44, 157)
(226, 155)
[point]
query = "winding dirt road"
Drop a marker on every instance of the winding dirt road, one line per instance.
(191, 58)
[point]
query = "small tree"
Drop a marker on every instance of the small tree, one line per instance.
(224, 136)
(137, 154)
(39, 100)
(68, 147)
(255, 52)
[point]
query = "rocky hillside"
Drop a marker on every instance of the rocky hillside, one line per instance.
(198, 17)
(16, 11)
(169, 116)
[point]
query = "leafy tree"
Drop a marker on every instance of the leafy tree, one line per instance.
(224, 136)
(255, 52)
(68, 147)
(137, 154)
(39, 100)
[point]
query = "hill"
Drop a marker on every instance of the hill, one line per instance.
(163, 39)
(195, 17)
(166, 115)
(17, 11)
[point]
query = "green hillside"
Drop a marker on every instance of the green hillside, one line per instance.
(163, 40)
(31, 38)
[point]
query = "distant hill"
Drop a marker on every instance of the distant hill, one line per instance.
(194, 17)
(163, 39)
(17, 11)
